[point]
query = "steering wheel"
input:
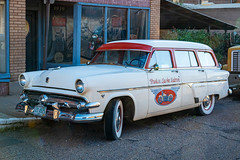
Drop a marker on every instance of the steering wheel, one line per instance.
(138, 60)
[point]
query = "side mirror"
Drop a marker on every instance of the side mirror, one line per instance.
(220, 66)
(154, 67)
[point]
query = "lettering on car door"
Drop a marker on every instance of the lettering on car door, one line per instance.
(164, 83)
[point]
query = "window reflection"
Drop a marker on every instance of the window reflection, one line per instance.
(117, 24)
(206, 59)
(127, 58)
(92, 31)
(60, 41)
(2, 38)
(138, 29)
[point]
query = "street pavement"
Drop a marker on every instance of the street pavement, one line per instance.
(9, 117)
(180, 135)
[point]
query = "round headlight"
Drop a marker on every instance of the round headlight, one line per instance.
(22, 80)
(79, 86)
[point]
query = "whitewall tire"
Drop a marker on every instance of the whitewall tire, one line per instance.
(206, 106)
(113, 120)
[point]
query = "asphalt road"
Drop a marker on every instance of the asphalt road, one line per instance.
(181, 135)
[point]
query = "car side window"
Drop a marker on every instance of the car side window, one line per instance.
(206, 59)
(193, 59)
(185, 59)
(162, 58)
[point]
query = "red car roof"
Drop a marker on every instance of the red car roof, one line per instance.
(125, 46)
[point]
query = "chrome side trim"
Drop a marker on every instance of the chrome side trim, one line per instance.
(146, 87)
(55, 88)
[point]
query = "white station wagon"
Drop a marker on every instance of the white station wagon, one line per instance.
(129, 79)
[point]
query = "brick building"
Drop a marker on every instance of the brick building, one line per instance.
(77, 28)
(12, 51)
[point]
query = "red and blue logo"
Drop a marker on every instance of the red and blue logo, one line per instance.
(165, 96)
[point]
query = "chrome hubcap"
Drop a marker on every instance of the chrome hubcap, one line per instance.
(207, 103)
(118, 119)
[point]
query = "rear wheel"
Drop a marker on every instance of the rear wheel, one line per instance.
(206, 106)
(113, 121)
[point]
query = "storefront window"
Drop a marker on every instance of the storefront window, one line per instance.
(2, 38)
(60, 44)
(117, 24)
(138, 21)
(92, 31)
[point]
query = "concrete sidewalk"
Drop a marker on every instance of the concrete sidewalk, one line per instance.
(9, 117)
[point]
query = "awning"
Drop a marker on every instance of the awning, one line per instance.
(179, 17)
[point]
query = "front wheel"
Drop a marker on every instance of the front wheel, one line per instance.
(206, 106)
(113, 121)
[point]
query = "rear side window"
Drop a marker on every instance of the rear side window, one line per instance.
(206, 59)
(162, 58)
(185, 59)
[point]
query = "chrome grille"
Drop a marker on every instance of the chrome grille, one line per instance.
(236, 61)
(33, 97)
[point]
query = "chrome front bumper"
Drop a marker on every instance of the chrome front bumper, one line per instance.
(60, 111)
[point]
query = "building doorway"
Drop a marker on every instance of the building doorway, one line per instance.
(31, 41)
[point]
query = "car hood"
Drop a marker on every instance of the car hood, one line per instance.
(65, 78)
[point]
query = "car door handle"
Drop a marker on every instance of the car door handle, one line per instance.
(201, 70)
(175, 71)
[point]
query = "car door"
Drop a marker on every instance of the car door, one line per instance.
(216, 78)
(193, 77)
(164, 83)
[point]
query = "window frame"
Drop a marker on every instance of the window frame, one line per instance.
(5, 77)
(213, 56)
(161, 49)
(171, 58)
(188, 50)
(77, 18)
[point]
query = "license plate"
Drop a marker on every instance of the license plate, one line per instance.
(40, 110)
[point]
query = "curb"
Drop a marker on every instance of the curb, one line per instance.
(16, 122)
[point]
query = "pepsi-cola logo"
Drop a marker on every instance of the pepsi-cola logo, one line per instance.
(165, 96)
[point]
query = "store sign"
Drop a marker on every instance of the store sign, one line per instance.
(58, 21)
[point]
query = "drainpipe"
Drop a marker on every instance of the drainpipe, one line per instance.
(47, 19)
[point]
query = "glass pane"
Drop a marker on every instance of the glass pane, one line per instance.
(139, 19)
(92, 31)
(117, 24)
(209, 59)
(153, 60)
(60, 41)
(2, 38)
(182, 59)
(202, 58)
(206, 59)
(164, 59)
(126, 58)
(193, 59)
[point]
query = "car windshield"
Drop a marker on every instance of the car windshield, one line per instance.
(126, 58)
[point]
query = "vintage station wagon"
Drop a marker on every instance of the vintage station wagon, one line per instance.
(129, 79)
